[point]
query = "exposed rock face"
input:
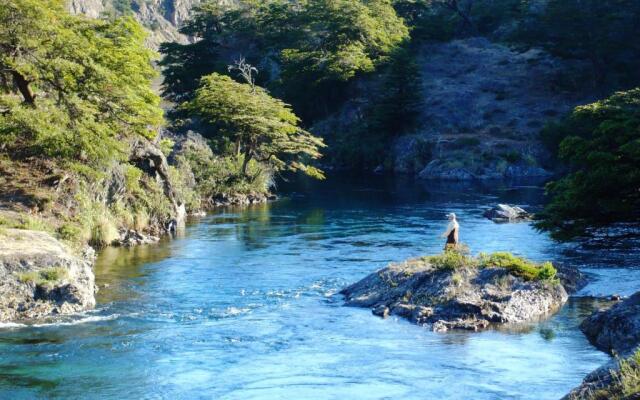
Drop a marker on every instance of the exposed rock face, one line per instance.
(597, 380)
(150, 159)
(467, 298)
(616, 329)
(40, 277)
(507, 213)
(130, 238)
(484, 105)
(163, 18)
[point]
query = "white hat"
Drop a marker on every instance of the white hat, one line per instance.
(451, 215)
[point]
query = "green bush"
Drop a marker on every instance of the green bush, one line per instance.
(452, 260)
(599, 143)
(69, 232)
(518, 266)
(44, 276)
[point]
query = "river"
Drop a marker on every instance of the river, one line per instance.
(244, 305)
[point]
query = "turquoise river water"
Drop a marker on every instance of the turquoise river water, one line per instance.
(244, 305)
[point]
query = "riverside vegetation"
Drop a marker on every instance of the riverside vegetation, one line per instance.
(83, 148)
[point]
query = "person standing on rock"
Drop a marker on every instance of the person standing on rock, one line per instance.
(451, 233)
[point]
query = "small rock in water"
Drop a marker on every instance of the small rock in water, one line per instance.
(507, 213)
(130, 237)
(616, 297)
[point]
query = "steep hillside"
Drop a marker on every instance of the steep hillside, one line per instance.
(483, 108)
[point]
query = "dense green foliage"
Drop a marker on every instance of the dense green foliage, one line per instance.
(307, 50)
(602, 32)
(601, 144)
(458, 258)
(261, 127)
(518, 266)
(392, 109)
(71, 87)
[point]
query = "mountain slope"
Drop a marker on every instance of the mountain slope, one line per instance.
(484, 106)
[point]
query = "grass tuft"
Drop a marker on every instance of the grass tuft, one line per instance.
(44, 276)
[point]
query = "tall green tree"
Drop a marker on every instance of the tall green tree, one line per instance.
(73, 87)
(312, 48)
(262, 127)
(602, 149)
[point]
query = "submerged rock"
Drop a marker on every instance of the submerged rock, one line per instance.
(507, 213)
(40, 277)
(616, 329)
(466, 298)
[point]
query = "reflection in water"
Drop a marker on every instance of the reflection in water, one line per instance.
(245, 306)
(117, 268)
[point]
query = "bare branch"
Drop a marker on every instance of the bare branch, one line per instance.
(245, 70)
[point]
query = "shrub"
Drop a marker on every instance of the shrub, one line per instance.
(628, 377)
(44, 276)
(625, 381)
(451, 260)
(518, 266)
(166, 146)
(141, 221)
(69, 232)
(103, 231)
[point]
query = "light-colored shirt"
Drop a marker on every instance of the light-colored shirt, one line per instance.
(452, 225)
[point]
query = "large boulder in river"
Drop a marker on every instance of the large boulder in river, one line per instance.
(40, 277)
(507, 213)
(466, 297)
(616, 329)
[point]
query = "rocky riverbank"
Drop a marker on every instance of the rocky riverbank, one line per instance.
(39, 277)
(615, 330)
(461, 294)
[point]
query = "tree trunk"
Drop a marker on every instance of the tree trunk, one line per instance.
(245, 162)
(23, 87)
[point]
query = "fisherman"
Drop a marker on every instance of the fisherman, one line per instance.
(451, 233)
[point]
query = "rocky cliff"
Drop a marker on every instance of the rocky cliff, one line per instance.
(40, 277)
(161, 17)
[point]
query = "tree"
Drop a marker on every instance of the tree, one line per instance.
(264, 128)
(215, 27)
(342, 39)
(603, 152)
(603, 32)
(392, 109)
(314, 47)
(73, 87)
